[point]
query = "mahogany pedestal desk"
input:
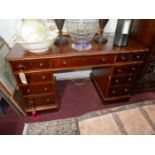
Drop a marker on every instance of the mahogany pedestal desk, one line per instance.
(114, 70)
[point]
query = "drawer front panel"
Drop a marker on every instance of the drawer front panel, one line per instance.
(36, 77)
(40, 101)
(117, 80)
(126, 69)
(120, 69)
(81, 61)
(119, 91)
(130, 57)
(122, 80)
(37, 89)
(133, 68)
(99, 60)
(29, 65)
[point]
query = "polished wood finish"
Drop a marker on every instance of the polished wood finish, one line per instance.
(108, 64)
(143, 31)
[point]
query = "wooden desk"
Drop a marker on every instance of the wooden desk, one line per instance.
(114, 70)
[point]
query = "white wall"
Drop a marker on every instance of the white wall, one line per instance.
(7, 30)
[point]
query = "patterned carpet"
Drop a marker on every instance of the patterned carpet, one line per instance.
(133, 119)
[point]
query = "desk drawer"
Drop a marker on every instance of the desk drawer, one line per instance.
(81, 61)
(36, 77)
(122, 80)
(29, 64)
(34, 101)
(37, 88)
(130, 57)
(99, 60)
(119, 91)
(125, 69)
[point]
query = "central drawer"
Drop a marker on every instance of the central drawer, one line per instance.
(81, 61)
(125, 69)
(37, 88)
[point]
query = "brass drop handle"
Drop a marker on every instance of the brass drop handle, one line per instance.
(20, 66)
(48, 100)
(103, 60)
(138, 57)
(123, 58)
(43, 77)
(113, 92)
(28, 90)
(126, 90)
(31, 102)
(119, 70)
(45, 88)
(64, 62)
(116, 81)
(41, 64)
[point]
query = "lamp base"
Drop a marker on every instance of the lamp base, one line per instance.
(61, 40)
(99, 39)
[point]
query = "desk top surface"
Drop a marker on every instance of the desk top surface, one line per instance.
(18, 53)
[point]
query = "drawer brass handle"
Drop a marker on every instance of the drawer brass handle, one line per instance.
(28, 90)
(126, 90)
(103, 60)
(48, 100)
(123, 58)
(64, 62)
(43, 77)
(31, 102)
(129, 79)
(45, 88)
(113, 92)
(41, 64)
(133, 68)
(119, 70)
(20, 66)
(138, 57)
